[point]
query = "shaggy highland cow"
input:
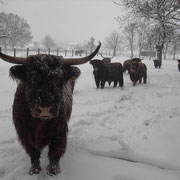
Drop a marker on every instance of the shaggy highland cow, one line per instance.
(115, 74)
(100, 72)
(157, 63)
(137, 72)
(178, 64)
(43, 104)
(110, 72)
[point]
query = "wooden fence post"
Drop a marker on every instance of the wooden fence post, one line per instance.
(72, 52)
(38, 50)
(65, 52)
(14, 52)
(57, 51)
(49, 51)
(27, 51)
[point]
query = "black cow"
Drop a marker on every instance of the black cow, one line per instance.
(178, 64)
(157, 63)
(43, 104)
(137, 72)
(110, 72)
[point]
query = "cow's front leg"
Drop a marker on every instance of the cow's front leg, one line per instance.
(35, 167)
(103, 84)
(35, 162)
(56, 150)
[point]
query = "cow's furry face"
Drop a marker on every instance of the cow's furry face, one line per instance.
(134, 67)
(45, 77)
(106, 60)
(97, 64)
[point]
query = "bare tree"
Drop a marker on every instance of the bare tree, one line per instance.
(14, 31)
(91, 44)
(113, 42)
(129, 33)
(35, 45)
(48, 42)
(142, 35)
(161, 14)
(174, 44)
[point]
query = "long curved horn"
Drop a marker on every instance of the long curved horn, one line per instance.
(78, 61)
(102, 56)
(14, 60)
(112, 57)
(107, 57)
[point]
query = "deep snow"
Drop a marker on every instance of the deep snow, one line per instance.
(146, 118)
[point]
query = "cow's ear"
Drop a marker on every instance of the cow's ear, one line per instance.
(18, 72)
(73, 72)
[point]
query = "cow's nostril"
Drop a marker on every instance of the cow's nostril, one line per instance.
(38, 110)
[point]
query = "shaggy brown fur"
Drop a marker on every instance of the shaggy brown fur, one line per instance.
(138, 71)
(136, 59)
(126, 64)
(44, 81)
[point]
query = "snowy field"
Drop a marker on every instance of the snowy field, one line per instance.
(140, 123)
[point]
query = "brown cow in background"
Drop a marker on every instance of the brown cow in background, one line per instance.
(137, 72)
(126, 64)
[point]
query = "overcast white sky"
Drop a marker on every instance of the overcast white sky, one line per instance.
(67, 20)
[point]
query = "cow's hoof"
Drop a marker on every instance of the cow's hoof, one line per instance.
(34, 170)
(53, 169)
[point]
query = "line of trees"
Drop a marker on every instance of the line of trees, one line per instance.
(155, 24)
(152, 25)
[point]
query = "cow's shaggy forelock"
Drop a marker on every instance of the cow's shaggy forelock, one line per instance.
(45, 79)
(46, 76)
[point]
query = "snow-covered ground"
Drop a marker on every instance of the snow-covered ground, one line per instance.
(140, 123)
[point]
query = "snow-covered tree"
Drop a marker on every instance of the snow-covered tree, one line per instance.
(48, 42)
(91, 44)
(160, 13)
(14, 31)
(130, 33)
(113, 42)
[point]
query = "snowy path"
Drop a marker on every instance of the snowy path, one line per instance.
(146, 117)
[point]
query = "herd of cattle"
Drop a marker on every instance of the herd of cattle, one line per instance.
(105, 71)
(43, 100)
